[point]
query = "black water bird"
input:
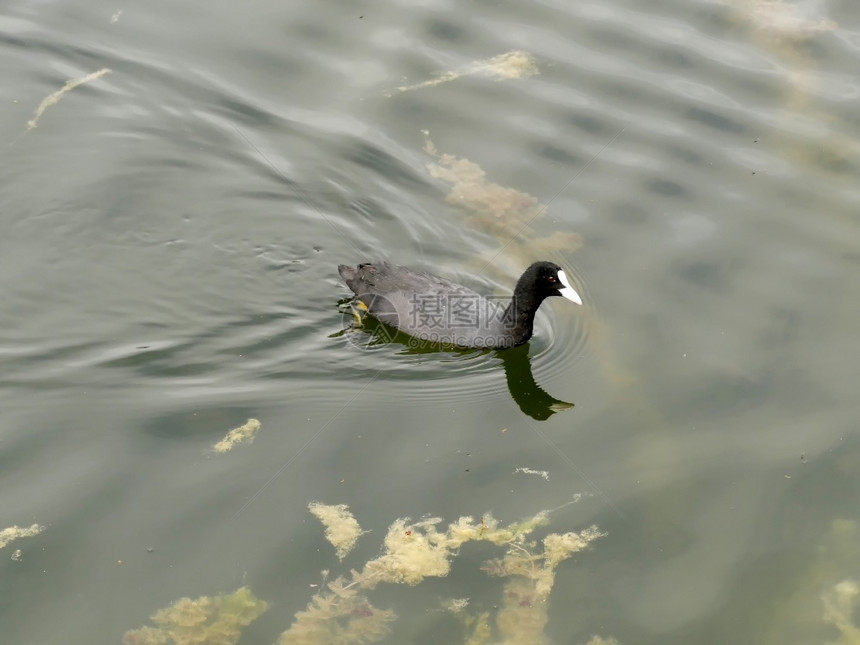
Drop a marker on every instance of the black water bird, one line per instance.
(436, 310)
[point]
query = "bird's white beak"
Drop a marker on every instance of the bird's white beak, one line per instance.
(567, 291)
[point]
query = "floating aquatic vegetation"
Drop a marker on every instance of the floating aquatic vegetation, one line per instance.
(514, 64)
(414, 551)
(532, 471)
(839, 605)
(511, 65)
(796, 616)
(208, 620)
(15, 532)
(341, 528)
(342, 614)
(783, 28)
(243, 434)
(455, 605)
(53, 99)
(780, 20)
(494, 208)
(523, 615)
(506, 213)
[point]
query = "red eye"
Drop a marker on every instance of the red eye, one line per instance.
(551, 279)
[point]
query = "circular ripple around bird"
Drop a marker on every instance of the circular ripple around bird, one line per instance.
(411, 369)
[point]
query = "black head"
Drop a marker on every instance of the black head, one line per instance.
(546, 279)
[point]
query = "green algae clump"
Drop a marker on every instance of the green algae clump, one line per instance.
(208, 620)
(839, 605)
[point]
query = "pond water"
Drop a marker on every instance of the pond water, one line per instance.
(171, 230)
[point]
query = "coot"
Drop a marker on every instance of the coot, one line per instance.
(437, 310)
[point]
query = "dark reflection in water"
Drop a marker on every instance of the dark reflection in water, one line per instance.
(530, 397)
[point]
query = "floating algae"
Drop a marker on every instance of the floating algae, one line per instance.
(15, 532)
(783, 29)
(779, 20)
(341, 528)
(455, 605)
(531, 471)
(413, 551)
(523, 614)
(242, 434)
(493, 208)
(53, 99)
(343, 616)
(839, 605)
(512, 65)
(208, 620)
(506, 213)
(797, 616)
(417, 550)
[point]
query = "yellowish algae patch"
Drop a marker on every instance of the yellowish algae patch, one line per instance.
(503, 212)
(779, 19)
(341, 612)
(511, 65)
(53, 99)
(531, 574)
(15, 532)
(796, 615)
(341, 528)
(494, 208)
(243, 434)
(783, 28)
(839, 605)
(414, 551)
(208, 620)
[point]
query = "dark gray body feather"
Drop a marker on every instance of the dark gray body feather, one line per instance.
(437, 310)
(429, 307)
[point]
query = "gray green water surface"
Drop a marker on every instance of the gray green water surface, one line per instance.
(169, 237)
